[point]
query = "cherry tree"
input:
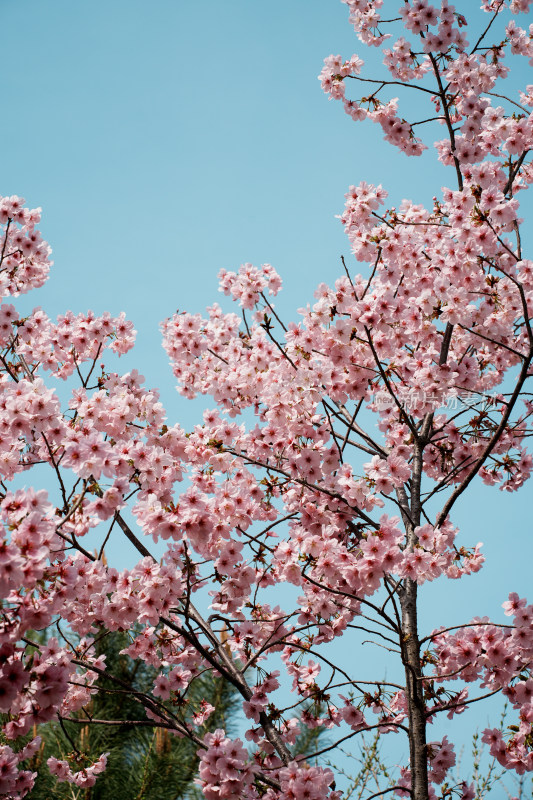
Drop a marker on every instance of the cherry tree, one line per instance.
(315, 498)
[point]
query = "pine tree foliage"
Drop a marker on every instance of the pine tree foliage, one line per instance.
(145, 763)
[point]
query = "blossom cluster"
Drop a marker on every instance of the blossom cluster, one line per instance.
(15, 783)
(84, 777)
(225, 771)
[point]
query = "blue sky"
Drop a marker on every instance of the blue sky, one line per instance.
(169, 139)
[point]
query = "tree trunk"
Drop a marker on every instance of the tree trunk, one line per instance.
(414, 686)
(410, 644)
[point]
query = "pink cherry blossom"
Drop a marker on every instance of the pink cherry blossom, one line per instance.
(314, 499)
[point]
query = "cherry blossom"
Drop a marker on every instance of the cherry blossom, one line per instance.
(314, 498)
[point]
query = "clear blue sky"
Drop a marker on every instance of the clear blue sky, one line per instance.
(167, 139)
